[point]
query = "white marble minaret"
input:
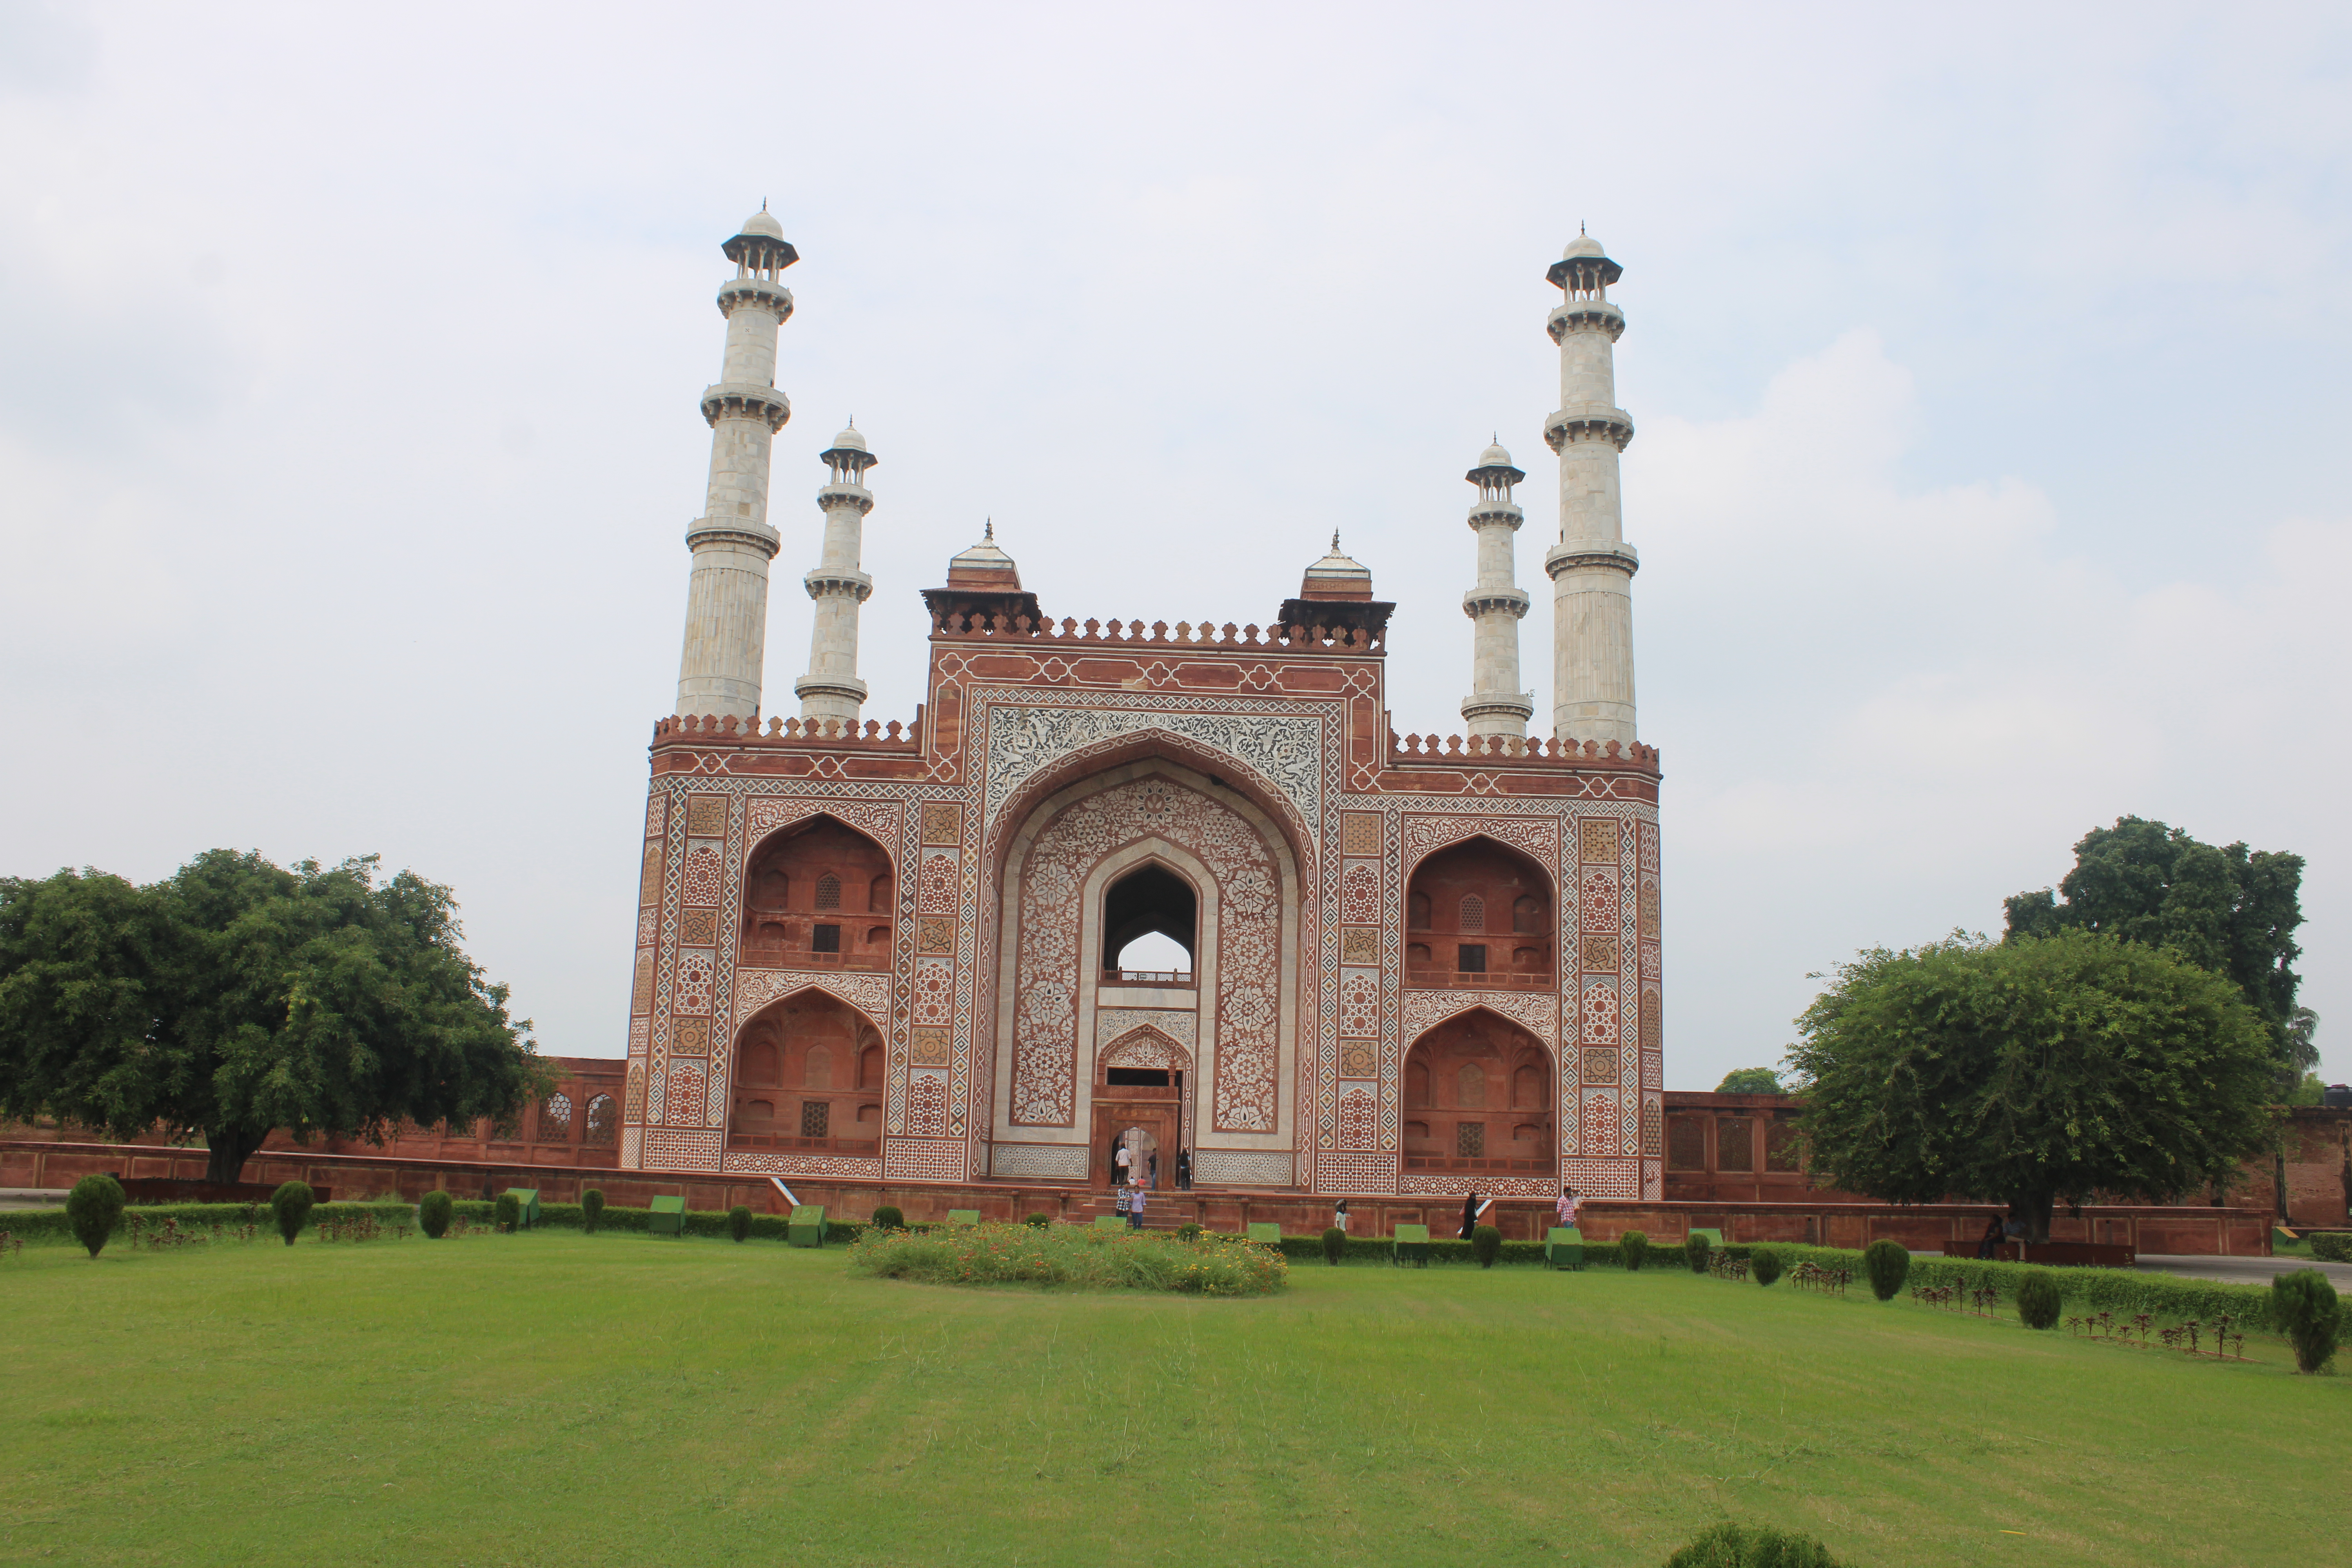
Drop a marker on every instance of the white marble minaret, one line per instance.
(1496, 705)
(1592, 567)
(727, 593)
(830, 688)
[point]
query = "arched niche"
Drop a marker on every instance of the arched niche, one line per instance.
(1150, 899)
(1478, 1098)
(1480, 913)
(818, 894)
(808, 1075)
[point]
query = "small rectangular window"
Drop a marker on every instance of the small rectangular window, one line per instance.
(816, 1116)
(827, 939)
(1472, 957)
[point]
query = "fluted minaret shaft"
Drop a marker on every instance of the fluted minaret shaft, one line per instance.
(1592, 567)
(1496, 705)
(831, 689)
(726, 592)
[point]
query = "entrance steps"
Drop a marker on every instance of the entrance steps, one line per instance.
(1165, 1211)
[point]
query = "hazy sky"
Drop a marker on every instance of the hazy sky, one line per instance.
(1987, 364)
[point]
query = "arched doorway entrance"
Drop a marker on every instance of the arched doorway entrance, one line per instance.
(1478, 1098)
(1139, 1104)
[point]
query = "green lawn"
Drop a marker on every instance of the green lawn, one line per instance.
(561, 1399)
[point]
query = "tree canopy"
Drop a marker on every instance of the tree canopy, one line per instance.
(2070, 1066)
(2232, 910)
(237, 997)
(1750, 1080)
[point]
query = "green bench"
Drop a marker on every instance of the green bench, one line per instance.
(963, 1216)
(1410, 1245)
(1564, 1247)
(668, 1218)
(527, 1199)
(806, 1227)
(1266, 1232)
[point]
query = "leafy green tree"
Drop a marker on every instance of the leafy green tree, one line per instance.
(2031, 1070)
(239, 997)
(2231, 910)
(1749, 1080)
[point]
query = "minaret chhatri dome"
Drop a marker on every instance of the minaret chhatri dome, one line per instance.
(1335, 593)
(982, 580)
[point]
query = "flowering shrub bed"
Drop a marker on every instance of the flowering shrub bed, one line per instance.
(1082, 1260)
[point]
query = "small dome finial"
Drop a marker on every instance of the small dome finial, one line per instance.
(1335, 542)
(989, 532)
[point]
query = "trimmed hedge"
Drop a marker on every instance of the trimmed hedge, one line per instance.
(2331, 1245)
(36, 1225)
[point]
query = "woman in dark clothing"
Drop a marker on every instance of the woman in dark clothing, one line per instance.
(1987, 1242)
(1184, 1169)
(1469, 1215)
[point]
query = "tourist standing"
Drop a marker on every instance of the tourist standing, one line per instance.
(1184, 1170)
(1469, 1215)
(1135, 1209)
(1339, 1215)
(1119, 1199)
(1119, 1162)
(1153, 1158)
(1567, 1208)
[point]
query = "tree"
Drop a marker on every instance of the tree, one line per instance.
(2034, 1069)
(239, 997)
(2230, 910)
(1749, 1080)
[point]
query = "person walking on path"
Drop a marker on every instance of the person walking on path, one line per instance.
(1469, 1215)
(1135, 1209)
(1184, 1170)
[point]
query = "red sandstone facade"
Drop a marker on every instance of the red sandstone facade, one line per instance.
(1418, 967)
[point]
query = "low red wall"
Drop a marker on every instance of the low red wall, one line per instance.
(1932, 1227)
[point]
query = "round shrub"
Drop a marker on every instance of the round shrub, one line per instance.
(1764, 1265)
(1634, 1246)
(1752, 1546)
(1038, 1221)
(1486, 1245)
(2306, 1307)
(1888, 1264)
(738, 1222)
(1335, 1245)
(887, 1217)
(509, 1212)
(592, 1208)
(433, 1214)
(2039, 1299)
(289, 1209)
(1694, 1251)
(92, 1209)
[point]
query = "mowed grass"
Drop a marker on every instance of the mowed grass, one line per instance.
(561, 1399)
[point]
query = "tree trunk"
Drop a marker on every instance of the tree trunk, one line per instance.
(2034, 1209)
(230, 1148)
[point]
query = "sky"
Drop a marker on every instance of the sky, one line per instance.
(1986, 365)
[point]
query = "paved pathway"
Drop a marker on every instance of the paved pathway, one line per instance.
(2242, 1270)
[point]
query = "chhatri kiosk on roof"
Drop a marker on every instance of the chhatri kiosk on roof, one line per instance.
(880, 959)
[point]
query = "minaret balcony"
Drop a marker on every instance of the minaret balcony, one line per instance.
(1586, 316)
(1478, 601)
(1589, 422)
(832, 497)
(1612, 557)
(746, 400)
(831, 582)
(737, 291)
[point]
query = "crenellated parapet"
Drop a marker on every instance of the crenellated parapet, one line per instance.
(1185, 633)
